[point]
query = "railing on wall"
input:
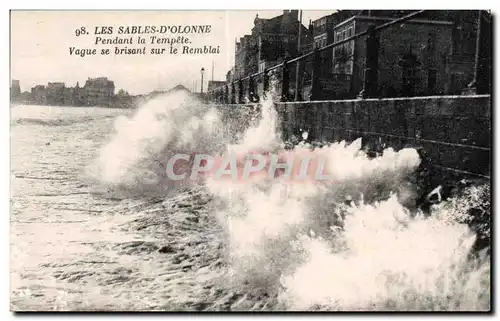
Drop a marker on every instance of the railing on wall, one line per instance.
(236, 91)
(450, 136)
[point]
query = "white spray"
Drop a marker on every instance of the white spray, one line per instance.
(302, 243)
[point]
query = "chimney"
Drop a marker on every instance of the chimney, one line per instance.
(294, 14)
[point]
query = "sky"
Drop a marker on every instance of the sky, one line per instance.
(40, 42)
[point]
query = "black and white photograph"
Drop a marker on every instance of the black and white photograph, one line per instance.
(250, 160)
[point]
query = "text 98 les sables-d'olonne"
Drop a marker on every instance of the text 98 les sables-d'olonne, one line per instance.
(139, 30)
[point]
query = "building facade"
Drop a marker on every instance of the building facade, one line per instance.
(15, 90)
(430, 55)
(99, 91)
(323, 31)
(271, 41)
(412, 57)
(55, 92)
(39, 95)
(96, 92)
(213, 84)
(78, 95)
(461, 62)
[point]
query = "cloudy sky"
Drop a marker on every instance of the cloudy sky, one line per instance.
(40, 42)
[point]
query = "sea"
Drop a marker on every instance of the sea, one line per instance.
(95, 225)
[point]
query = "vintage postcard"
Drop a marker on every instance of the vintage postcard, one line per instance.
(289, 160)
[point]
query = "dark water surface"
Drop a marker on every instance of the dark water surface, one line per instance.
(72, 249)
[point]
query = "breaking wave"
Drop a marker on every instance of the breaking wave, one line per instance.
(133, 163)
(358, 243)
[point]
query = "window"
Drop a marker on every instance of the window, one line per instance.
(431, 81)
(349, 67)
(343, 55)
(262, 66)
(362, 69)
(431, 42)
(349, 32)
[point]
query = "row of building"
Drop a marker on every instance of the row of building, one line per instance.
(96, 92)
(437, 52)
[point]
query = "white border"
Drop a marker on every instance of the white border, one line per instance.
(179, 5)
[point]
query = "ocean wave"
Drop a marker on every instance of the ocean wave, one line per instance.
(352, 243)
(58, 121)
